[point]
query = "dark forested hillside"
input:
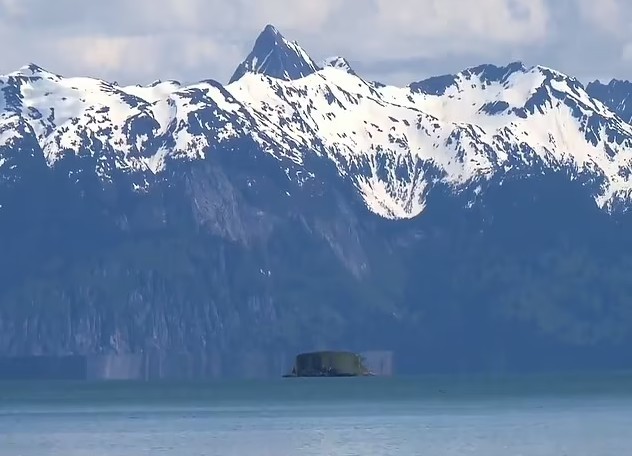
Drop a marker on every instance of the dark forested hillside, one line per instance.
(536, 277)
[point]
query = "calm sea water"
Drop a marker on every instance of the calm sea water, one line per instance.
(531, 416)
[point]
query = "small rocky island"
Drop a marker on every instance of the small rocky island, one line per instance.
(329, 364)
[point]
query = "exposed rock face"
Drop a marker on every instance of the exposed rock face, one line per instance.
(275, 56)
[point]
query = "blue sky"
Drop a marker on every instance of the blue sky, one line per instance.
(394, 41)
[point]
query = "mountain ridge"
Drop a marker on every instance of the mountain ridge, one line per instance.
(464, 125)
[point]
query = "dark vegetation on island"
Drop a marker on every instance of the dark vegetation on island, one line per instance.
(329, 364)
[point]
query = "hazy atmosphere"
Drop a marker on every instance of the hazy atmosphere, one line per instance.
(394, 41)
(208, 208)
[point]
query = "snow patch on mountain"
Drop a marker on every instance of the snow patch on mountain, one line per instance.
(156, 91)
(545, 116)
(338, 62)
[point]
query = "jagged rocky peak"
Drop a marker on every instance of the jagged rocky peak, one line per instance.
(34, 70)
(500, 76)
(338, 62)
(616, 94)
(493, 73)
(275, 56)
(490, 73)
(487, 73)
(166, 82)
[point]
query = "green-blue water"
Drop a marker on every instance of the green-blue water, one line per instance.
(531, 416)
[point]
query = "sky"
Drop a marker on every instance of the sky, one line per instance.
(393, 41)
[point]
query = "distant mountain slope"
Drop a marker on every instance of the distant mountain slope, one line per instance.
(616, 95)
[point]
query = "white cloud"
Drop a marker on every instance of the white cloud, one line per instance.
(604, 14)
(427, 28)
(307, 15)
(505, 21)
(13, 8)
(106, 55)
(626, 52)
(144, 57)
(142, 40)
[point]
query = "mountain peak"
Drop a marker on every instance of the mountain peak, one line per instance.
(276, 57)
(33, 69)
(166, 82)
(270, 29)
(338, 62)
(495, 73)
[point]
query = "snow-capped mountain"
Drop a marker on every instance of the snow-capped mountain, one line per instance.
(209, 229)
(394, 144)
(276, 57)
